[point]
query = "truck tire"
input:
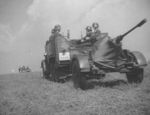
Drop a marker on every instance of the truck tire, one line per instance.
(135, 76)
(44, 69)
(78, 78)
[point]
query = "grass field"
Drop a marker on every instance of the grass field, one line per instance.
(30, 94)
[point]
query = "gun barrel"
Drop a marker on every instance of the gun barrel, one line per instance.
(138, 25)
(120, 38)
(142, 22)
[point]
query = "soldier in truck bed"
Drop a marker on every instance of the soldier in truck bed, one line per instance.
(92, 36)
(57, 29)
(88, 34)
(96, 30)
(96, 34)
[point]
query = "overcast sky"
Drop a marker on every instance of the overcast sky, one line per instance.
(25, 25)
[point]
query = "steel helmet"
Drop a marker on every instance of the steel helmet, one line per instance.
(95, 25)
(53, 31)
(88, 28)
(57, 28)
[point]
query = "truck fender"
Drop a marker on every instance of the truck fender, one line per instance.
(83, 62)
(140, 58)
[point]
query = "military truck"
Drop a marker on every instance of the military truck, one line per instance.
(104, 56)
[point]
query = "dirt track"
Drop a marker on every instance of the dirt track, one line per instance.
(29, 94)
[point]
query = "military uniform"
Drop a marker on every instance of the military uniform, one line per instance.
(50, 45)
(96, 32)
(57, 29)
(88, 34)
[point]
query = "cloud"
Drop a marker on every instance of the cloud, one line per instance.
(97, 4)
(6, 37)
(65, 12)
(72, 10)
(24, 29)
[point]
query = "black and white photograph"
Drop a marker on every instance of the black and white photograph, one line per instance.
(74, 57)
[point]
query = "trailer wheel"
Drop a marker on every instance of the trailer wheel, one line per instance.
(135, 76)
(78, 78)
(44, 69)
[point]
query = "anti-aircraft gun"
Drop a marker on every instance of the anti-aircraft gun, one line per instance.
(107, 55)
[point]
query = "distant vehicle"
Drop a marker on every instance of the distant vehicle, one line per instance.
(87, 61)
(24, 69)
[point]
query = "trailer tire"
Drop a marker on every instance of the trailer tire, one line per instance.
(135, 76)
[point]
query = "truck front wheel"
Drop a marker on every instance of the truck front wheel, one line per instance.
(135, 75)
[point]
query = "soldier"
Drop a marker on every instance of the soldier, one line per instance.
(88, 34)
(52, 31)
(57, 28)
(96, 32)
